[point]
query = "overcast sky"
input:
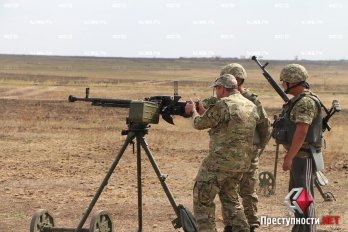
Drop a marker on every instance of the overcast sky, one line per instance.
(308, 29)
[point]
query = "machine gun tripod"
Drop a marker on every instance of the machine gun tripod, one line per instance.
(141, 114)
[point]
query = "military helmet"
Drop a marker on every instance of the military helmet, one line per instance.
(293, 73)
(226, 80)
(234, 69)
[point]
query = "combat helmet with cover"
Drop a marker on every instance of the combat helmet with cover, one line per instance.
(293, 73)
(226, 80)
(234, 69)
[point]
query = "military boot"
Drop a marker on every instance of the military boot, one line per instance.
(228, 229)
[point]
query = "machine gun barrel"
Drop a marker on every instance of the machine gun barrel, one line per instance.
(120, 103)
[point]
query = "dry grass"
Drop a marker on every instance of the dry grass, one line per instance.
(53, 154)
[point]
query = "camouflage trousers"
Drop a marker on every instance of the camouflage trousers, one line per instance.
(247, 191)
(207, 186)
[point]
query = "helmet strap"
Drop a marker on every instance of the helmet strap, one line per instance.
(306, 85)
(241, 81)
(294, 86)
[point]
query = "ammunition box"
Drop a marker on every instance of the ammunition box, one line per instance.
(144, 112)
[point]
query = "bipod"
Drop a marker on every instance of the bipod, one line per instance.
(43, 221)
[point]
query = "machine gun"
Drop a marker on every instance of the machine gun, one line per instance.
(143, 111)
(141, 114)
(267, 179)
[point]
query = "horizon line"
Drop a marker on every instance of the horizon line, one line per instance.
(176, 58)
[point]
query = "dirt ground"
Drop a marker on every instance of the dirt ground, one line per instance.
(54, 155)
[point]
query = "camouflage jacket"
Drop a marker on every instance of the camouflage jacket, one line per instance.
(232, 121)
(263, 127)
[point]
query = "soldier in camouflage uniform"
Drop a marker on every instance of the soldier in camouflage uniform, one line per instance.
(232, 120)
(300, 131)
(249, 182)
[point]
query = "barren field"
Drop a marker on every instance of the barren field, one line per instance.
(54, 154)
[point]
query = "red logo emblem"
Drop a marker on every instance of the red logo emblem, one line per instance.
(298, 199)
(330, 220)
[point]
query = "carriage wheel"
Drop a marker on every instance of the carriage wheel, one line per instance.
(101, 222)
(40, 220)
(267, 183)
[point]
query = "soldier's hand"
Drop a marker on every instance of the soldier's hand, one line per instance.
(287, 163)
(200, 107)
(190, 107)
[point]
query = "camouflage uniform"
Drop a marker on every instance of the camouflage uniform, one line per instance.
(250, 179)
(232, 121)
(302, 108)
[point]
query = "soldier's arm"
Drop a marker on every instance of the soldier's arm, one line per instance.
(209, 101)
(211, 117)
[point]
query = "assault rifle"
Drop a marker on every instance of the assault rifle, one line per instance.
(335, 107)
(143, 111)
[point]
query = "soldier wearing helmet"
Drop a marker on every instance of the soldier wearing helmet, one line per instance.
(249, 182)
(300, 131)
(232, 120)
(294, 75)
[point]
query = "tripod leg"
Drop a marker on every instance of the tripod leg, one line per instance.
(161, 177)
(140, 202)
(129, 138)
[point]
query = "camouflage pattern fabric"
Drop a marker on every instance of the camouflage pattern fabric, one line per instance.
(248, 187)
(263, 127)
(293, 73)
(208, 185)
(210, 101)
(234, 69)
(250, 181)
(232, 121)
(227, 80)
(247, 191)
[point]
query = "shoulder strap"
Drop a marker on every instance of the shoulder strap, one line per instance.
(310, 95)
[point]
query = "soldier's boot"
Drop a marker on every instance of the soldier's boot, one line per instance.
(228, 229)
